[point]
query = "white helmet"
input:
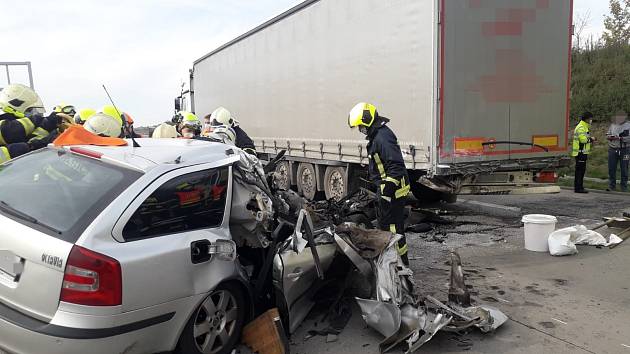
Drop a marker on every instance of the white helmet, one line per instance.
(164, 131)
(104, 125)
(223, 134)
(222, 116)
(20, 100)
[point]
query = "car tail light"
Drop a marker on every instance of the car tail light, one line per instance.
(91, 279)
(547, 177)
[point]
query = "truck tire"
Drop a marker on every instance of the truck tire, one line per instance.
(335, 183)
(282, 179)
(307, 180)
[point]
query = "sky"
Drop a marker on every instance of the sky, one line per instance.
(140, 49)
(594, 10)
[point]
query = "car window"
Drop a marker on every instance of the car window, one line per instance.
(188, 202)
(58, 192)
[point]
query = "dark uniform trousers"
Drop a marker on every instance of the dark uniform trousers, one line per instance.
(388, 172)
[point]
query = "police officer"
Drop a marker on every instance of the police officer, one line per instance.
(223, 117)
(22, 125)
(387, 170)
(582, 141)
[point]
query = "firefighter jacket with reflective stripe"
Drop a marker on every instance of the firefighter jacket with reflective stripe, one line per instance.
(386, 162)
(581, 139)
(15, 132)
(243, 141)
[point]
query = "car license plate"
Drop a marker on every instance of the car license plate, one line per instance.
(10, 263)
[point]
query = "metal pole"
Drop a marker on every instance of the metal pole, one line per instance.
(30, 74)
(8, 75)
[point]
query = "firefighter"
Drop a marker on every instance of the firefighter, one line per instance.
(189, 126)
(223, 117)
(23, 127)
(582, 141)
(82, 115)
(66, 109)
(386, 169)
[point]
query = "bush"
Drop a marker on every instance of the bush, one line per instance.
(600, 81)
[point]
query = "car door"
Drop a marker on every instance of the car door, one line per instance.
(295, 272)
(163, 230)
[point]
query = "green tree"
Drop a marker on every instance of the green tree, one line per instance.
(617, 23)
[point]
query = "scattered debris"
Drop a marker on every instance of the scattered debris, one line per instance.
(331, 338)
(563, 242)
(403, 316)
(557, 320)
(547, 325)
(419, 228)
(265, 334)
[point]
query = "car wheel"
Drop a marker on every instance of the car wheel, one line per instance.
(216, 325)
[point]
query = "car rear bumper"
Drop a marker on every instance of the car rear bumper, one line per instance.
(22, 334)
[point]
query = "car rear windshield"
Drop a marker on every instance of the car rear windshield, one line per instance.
(59, 192)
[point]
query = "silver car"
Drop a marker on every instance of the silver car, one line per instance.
(133, 250)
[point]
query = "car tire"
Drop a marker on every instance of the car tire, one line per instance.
(216, 324)
(307, 180)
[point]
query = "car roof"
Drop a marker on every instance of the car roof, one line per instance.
(155, 152)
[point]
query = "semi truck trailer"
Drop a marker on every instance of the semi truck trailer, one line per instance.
(477, 91)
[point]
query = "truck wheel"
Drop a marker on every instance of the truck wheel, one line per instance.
(307, 180)
(335, 183)
(282, 176)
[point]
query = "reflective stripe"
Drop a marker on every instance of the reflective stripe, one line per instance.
(40, 133)
(10, 110)
(402, 250)
(2, 141)
(387, 198)
(393, 180)
(379, 165)
(28, 125)
(392, 228)
(4, 154)
(402, 192)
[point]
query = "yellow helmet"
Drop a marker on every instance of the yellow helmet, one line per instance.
(190, 120)
(83, 115)
(362, 114)
(20, 100)
(110, 110)
(65, 108)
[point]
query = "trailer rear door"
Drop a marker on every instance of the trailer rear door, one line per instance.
(504, 77)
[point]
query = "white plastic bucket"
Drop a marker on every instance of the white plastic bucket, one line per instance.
(538, 227)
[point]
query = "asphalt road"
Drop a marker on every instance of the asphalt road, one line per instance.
(572, 304)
